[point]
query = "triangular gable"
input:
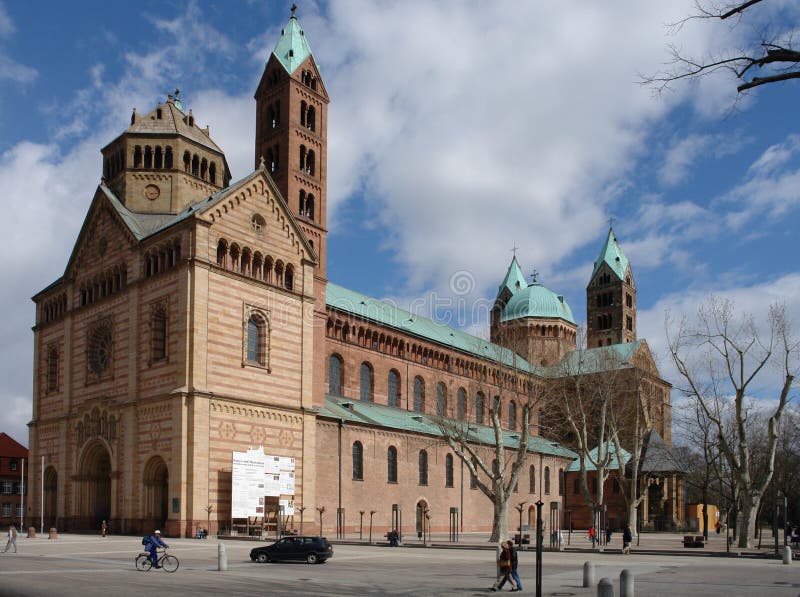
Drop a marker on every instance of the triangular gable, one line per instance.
(311, 65)
(219, 205)
(103, 205)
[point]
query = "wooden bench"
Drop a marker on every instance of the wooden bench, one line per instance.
(522, 539)
(694, 541)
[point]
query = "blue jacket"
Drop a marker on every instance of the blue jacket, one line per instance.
(156, 541)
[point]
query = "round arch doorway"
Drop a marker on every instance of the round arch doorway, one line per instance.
(156, 491)
(95, 472)
(423, 519)
(51, 497)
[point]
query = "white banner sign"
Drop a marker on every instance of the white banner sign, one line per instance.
(255, 475)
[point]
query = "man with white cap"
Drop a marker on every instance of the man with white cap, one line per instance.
(152, 546)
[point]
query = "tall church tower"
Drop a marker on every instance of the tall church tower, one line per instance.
(291, 135)
(611, 298)
(292, 143)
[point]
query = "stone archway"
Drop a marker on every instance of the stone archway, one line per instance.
(156, 491)
(421, 510)
(50, 497)
(95, 492)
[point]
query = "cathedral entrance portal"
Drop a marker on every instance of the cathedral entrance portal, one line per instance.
(156, 490)
(50, 497)
(422, 518)
(95, 474)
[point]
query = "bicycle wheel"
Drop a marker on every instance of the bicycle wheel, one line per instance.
(170, 563)
(143, 562)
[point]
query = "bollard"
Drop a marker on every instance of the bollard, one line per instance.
(52, 533)
(588, 574)
(605, 588)
(222, 557)
(626, 583)
(787, 554)
(31, 532)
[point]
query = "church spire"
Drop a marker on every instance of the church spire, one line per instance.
(292, 48)
(613, 255)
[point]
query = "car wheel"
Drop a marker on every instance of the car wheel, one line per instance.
(262, 558)
(312, 558)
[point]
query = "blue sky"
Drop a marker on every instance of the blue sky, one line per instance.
(456, 131)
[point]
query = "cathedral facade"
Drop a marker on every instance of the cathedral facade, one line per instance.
(195, 318)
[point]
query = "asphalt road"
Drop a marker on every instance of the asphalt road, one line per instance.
(90, 566)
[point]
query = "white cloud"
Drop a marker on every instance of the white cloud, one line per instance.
(10, 69)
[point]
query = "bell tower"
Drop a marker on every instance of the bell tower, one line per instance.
(292, 145)
(292, 134)
(611, 298)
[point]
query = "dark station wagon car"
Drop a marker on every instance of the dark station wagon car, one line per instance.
(309, 549)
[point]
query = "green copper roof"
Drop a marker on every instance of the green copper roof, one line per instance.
(387, 314)
(292, 48)
(612, 255)
(514, 280)
(537, 301)
(369, 413)
(595, 360)
(614, 463)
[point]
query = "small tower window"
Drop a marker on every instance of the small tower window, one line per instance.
(212, 173)
(187, 161)
(137, 156)
(159, 158)
(195, 165)
(310, 121)
(148, 157)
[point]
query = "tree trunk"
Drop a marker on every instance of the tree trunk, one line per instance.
(500, 521)
(633, 515)
(746, 520)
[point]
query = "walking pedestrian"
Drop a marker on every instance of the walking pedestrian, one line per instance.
(12, 539)
(514, 574)
(627, 539)
(608, 535)
(503, 558)
(103, 529)
(592, 535)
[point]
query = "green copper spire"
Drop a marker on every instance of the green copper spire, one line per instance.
(514, 280)
(292, 48)
(613, 255)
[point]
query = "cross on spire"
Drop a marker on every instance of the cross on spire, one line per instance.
(514, 249)
(611, 221)
(534, 275)
(294, 9)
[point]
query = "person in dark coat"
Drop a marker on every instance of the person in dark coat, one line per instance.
(514, 573)
(627, 539)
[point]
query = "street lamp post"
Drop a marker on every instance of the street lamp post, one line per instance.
(539, 541)
(371, 514)
(520, 507)
(361, 526)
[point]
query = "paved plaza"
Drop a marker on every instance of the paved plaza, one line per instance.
(84, 565)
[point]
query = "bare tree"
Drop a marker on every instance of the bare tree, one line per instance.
(497, 477)
(768, 57)
(584, 386)
(719, 358)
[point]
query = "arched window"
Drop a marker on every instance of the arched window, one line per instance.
(195, 165)
(302, 162)
(547, 480)
(268, 266)
(288, 277)
(148, 157)
(256, 340)
(203, 168)
(423, 467)
(244, 262)
(158, 335)
(512, 415)
(358, 461)
(159, 158)
(462, 404)
(309, 213)
(561, 481)
(212, 173)
(394, 388)
(448, 470)
(441, 399)
(222, 253)
(419, 395)
(187, 162)
(391, 465)
(310, 119)
(137, 156)
(168, 157)
(335, 371)
(479, 406)
(366, 382)
(532, 479)
(310, 163)
(303, 110)
(52, 370)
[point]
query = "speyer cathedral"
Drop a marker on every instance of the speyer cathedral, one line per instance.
(195, 319)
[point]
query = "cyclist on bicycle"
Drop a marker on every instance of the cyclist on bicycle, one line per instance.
(152, 546)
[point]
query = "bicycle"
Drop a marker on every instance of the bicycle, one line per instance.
(167, 562)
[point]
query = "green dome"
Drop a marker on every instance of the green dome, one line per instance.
(537, 301)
